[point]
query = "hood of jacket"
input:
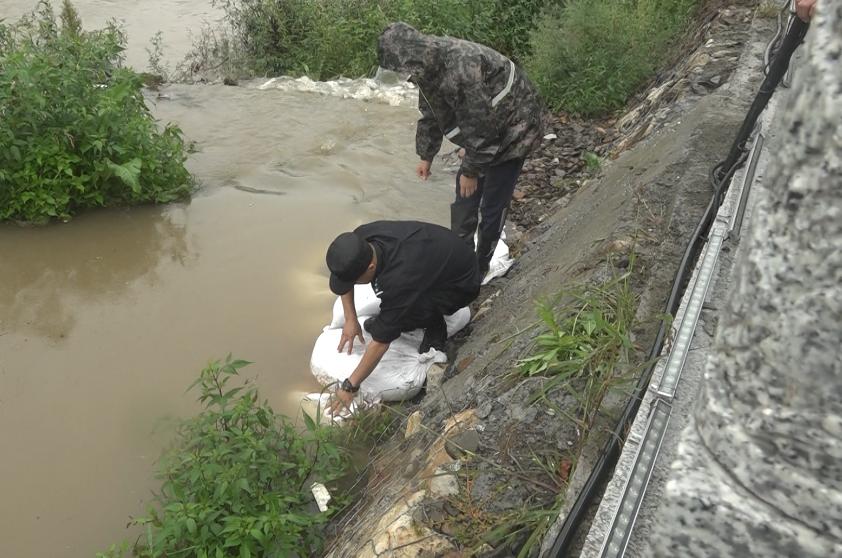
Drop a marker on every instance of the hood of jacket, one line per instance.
(402, 48)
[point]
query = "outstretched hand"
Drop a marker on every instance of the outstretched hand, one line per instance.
(422, 170)
(467, 185)
(350, 331)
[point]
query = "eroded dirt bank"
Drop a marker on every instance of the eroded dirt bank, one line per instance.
(424, 495)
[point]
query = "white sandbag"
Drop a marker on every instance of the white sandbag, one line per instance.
(500, 263)
(318, 405)
(365, 301)
(402, 370)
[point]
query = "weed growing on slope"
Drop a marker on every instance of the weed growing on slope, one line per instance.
(589, 56)
(584, 345)
(592, 162)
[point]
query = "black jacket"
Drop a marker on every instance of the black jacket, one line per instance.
(423, 270)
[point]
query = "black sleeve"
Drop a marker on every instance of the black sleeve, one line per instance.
(391, 322)
(428, 136)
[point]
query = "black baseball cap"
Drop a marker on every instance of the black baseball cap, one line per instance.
(347, 258)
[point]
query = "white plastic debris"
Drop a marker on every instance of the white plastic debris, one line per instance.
(501, 261)
(321, 495)
(550, 137)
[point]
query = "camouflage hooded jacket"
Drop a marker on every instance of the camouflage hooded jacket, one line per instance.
(469, 93)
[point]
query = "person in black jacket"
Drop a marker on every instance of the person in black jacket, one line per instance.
(421, 273)
(480, 100)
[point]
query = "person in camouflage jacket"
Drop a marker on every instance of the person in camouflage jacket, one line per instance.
(480, 100)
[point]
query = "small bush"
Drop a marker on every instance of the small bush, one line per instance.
(75, 132)
(237, 482)
(590, 56)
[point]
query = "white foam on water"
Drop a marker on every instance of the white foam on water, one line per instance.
(365, 89)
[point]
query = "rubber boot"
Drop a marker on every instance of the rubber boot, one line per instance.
(485, 250)
(463, 221)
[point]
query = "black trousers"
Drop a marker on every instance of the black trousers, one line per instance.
(486, 208)
(430, 308)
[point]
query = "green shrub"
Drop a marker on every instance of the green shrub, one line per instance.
(75, 132)
(590, 56)
(237, 482)
(329, 38)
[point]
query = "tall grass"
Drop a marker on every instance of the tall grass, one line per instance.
(585, 345)
(586, 56)
(589, 56)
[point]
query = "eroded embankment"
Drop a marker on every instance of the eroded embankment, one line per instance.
(482, 458)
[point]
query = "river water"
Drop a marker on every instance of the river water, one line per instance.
(105, 320)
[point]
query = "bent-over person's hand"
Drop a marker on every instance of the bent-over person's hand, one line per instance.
(467, 185)
(423, 169)
(341, 400)
(350, 331)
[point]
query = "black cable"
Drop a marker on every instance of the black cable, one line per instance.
(777, 69)
(719, 181)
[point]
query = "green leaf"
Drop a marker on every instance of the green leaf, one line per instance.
(129, 173)
(309, 422)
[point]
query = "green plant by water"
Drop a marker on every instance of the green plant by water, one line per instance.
(237, 482)
(75, 132)
(332, 38)
(586, 56)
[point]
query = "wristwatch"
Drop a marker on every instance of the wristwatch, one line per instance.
(349, 387)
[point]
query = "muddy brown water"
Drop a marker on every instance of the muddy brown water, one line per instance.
(106, 319)
(177, 20)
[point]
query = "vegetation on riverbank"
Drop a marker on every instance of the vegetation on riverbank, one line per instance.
(75, 132)
(590, 56)
(237, 481)
(586, 56)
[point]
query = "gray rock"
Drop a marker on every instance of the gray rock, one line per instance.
(444, 484)
(485, 409)
(467, 441)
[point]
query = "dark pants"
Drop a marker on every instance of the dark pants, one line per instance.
(487, 207)
(431, 307)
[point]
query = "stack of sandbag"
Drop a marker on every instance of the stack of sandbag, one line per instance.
(402, 370)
